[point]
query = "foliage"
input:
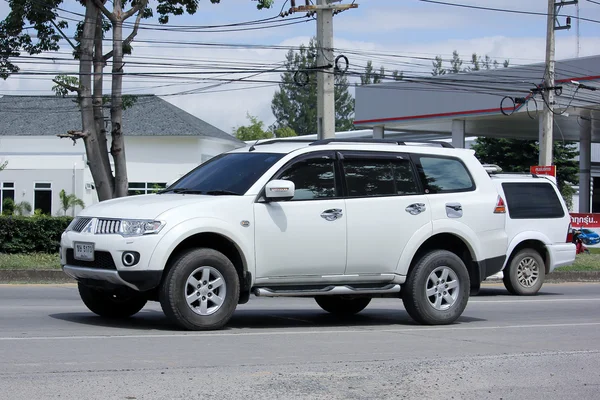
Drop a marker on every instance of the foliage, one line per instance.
(9, 207)
(68, 201)
(33, 27)
(370, 76)
(31, 234)
(256, 131)
(456, 64)
(515, 155)
(295, 106)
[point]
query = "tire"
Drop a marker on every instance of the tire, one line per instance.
(193, 273)
(423, 279)
(342, 305)
(525, 273)
(110, 305)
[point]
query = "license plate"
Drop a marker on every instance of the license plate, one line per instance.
(84, 251)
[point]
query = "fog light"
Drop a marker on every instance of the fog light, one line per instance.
(130, 258)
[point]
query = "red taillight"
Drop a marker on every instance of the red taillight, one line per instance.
(500, 206)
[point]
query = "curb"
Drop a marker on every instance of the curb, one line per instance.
(34, 276)
(58, 276)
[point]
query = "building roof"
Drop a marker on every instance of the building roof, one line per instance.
(149, 116)
(484, 101)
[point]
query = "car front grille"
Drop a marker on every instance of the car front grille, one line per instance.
(102, 260)
(108, 226)
(80, 223)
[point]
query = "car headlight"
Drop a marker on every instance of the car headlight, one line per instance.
(137, 227)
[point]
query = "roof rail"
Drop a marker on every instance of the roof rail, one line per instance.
(371, 140)
(271, 141)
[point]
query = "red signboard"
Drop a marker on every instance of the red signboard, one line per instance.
(579, 220)
(543, 170)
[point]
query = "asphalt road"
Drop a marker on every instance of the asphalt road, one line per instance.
(503, 347)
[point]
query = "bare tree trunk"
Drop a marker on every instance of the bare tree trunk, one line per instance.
(117, 149)
(93, 150)
(99, 64)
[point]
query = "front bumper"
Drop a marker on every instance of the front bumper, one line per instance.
(560, 255)
(140, 281)
(108, 266)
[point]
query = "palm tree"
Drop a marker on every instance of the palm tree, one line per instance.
(22, 208)
(69, 201)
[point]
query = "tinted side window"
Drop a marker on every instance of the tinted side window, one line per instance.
(444, 175)
(314, 179)
(379, 177)
(532, 200)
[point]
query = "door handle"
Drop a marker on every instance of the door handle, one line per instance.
(415, 208)
(332, 214)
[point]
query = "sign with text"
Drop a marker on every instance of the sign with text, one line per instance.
(589, 227)
(543, 170)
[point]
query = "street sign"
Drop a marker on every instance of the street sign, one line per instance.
(543, 170)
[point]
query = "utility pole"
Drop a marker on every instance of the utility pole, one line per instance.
(547, 122)
(325, 62)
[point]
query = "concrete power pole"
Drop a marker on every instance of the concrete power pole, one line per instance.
(547, 122)
(325, 76)
(325, 62)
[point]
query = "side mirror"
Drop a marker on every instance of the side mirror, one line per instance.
(279, 190)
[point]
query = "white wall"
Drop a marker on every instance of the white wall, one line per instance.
(51, 159)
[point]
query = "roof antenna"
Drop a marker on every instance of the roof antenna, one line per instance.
(252, 147)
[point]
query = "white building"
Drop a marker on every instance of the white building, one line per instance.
(162, 142)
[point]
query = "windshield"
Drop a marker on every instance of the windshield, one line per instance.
(229, 173)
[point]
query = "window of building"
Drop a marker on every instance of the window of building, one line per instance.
(314, 178)
(7, 191)
(136, 188)
(42, 198)
(445, 175)
(379, 177)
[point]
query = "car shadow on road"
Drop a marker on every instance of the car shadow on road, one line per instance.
(256, 319)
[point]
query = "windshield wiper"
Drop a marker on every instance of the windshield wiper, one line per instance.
(181, 190)
(221, 192)
(217, 192)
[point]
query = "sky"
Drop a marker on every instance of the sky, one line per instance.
(397, 34)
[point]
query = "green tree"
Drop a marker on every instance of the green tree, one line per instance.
(438, 66)
(515, 155)
(9, 207)
(370, 75)
(69, 201)
(34, 26)
(456, 64)
(295, 106)
(255, 130)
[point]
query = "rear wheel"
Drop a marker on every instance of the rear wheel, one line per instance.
(342, 305)
(111, 305)
(525, 274)
(201, 290)
(437, 288)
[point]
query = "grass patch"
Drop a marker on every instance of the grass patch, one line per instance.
(584, 262)
(29, 261)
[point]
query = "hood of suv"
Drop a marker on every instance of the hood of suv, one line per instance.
(143, 206)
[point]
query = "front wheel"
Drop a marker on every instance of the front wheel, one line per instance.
(111, 305)
(437, 288)
(342, 305)
(525, 274)
(201, 290)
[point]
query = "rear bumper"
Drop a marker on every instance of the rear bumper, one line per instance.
(560, 255)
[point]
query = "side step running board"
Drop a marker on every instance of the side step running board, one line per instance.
(328, 290)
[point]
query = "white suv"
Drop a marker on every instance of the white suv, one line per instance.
(340, 221)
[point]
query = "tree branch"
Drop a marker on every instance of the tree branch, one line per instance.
(63, 35)
(133, 33)
(73, 135)
(108, 56)
(105, 10)
(138, 7)
(67, 86)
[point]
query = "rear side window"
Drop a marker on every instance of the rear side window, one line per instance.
(445, 175)
(379, 177)
(532, 201)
